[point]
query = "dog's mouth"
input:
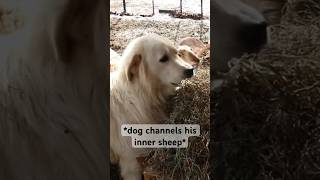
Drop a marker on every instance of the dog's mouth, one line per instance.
(176, 84)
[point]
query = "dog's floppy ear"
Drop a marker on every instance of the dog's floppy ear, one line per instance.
(133, 68)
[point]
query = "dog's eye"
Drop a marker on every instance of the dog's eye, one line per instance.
(165, 58)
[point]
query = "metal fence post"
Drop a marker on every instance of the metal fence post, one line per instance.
(152, 7)
(124, 6)
(201, 8)
(180, 6)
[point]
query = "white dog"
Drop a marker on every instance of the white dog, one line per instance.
(150, 71)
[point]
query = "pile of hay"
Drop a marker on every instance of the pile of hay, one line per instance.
(267, 116)
(185, 15)
(190, 106)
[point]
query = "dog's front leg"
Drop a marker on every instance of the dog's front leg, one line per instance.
(130, 168)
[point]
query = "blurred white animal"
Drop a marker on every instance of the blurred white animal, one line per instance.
(53, 107)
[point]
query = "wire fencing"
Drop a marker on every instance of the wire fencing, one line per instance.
(152, 7)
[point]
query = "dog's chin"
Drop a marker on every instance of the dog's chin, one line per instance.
(170, 89)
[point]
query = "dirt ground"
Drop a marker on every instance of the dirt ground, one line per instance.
(190, 106)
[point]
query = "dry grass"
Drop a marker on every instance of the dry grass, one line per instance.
(124, 29)
(267, 114)
(191, 106)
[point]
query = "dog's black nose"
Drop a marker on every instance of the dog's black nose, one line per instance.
(188, 73)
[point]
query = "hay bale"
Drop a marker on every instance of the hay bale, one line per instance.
(190, 106)
(266, 115)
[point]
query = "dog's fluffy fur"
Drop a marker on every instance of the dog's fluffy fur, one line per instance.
(53, 103)
(149, 71)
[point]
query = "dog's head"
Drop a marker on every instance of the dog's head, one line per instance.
(154, 60)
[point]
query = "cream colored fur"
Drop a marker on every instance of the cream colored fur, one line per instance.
(139, 89)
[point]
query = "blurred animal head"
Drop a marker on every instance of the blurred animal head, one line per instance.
(271, 9)
(238, 28)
